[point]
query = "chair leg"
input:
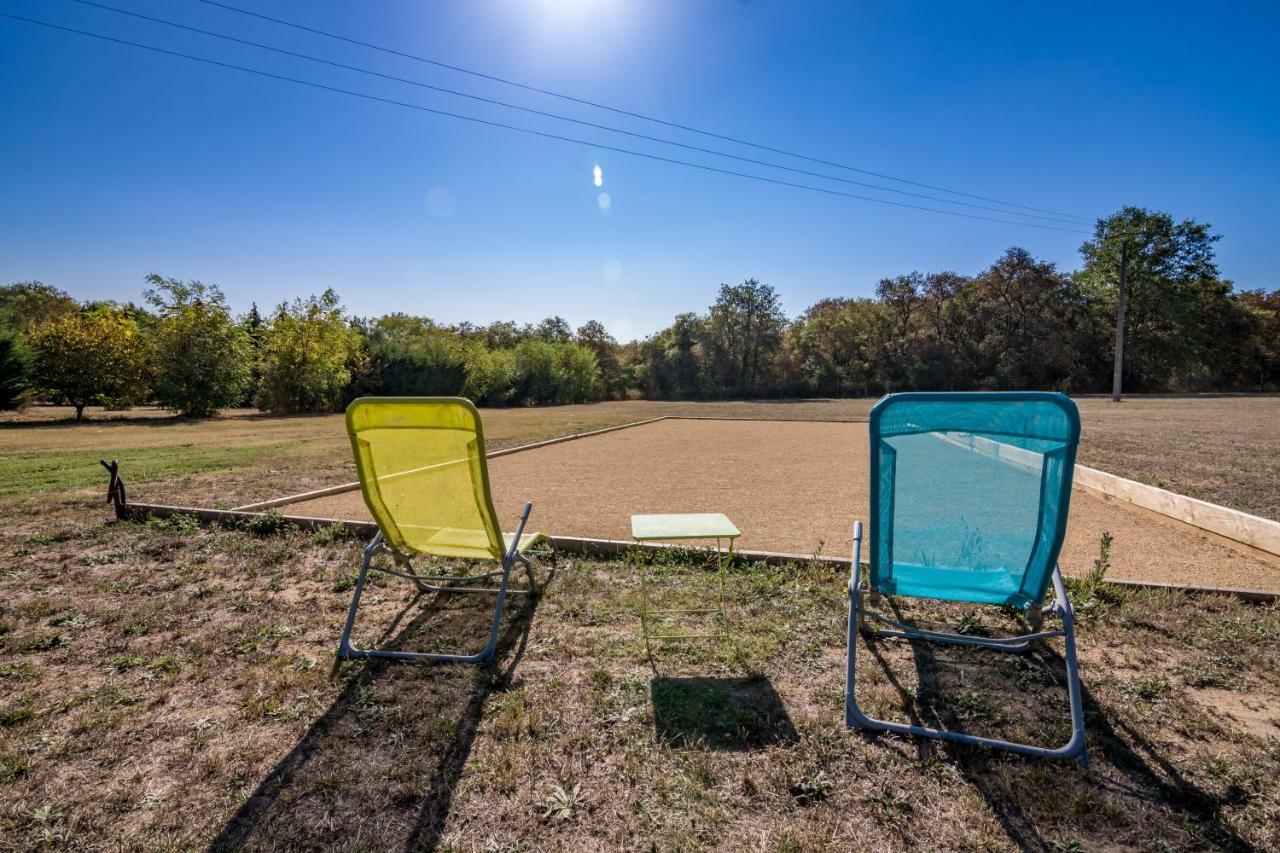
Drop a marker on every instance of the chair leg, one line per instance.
(349, 651)
(486, 654)
(346, 651)
(532, 590)
(1075, 748)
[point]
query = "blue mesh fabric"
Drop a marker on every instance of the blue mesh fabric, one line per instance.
(970, 493)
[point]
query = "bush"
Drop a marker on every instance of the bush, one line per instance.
(580, 380)
(537, 372)
(306, 353)
(555, 373)
(86, 359)
(432, 366)
(491, 375)
(202, 359)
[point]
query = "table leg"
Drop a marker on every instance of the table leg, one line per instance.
(644, 605)
(725, 561)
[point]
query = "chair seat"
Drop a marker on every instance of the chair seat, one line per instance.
(462, 544)
(979, 586)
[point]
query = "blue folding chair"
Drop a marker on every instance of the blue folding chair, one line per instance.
(969, 500)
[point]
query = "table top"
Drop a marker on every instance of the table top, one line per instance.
(696, 525)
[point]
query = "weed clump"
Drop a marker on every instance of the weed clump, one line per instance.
(1092, 592)
(268, 523)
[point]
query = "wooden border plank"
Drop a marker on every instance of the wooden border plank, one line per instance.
(1251, 530)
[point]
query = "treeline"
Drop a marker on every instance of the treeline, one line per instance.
(184, 350)
(1020, 323)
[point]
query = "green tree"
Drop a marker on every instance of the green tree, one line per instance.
(202, 360)
(28, 303)
(951, 332)
(744, 330)
(412, 356)
(831, 340)
(15, 369)
(554, 330)
(1021, 304)
(671, 363)
(597, 339)
(503, 335)
(893, 351)
(255, 330)
(91, 358)
(1246, 349)
(306, 356)
(1173, 288)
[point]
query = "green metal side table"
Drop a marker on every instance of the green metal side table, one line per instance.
(682, 527)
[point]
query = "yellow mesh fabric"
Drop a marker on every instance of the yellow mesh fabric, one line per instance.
(422, 470)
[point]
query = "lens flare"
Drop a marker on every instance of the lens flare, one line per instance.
(441, 203)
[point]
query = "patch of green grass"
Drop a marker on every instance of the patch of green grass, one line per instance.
(12, 766)
(178, 525)
(20, 710)
(812, 786)
(1150, 689)
(330, 534)
(20, 671)
(124, 663)
(267, 636)
(55, 470)
(46, 642)
(267, 523)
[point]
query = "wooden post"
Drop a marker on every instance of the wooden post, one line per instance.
(1120, 306)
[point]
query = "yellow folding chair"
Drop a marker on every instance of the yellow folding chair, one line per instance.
(421, 462)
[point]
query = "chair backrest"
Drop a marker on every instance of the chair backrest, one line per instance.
(970, 493)
(421, 462)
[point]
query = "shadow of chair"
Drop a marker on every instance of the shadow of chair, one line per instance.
(1123, 762)
(379, 768)
(730, 714)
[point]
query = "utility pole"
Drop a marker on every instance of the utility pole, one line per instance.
(1120, 306)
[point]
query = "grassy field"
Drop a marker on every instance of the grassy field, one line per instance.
(164, 685)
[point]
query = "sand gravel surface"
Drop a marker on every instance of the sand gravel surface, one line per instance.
(796, 487)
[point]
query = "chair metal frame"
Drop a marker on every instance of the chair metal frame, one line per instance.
(860, 594)
(440, 584)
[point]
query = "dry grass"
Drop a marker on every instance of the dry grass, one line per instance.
(167, 686)
(164, 686)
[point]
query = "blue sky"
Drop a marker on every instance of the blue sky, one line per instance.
(116, 162)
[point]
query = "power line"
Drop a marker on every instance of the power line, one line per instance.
(559, 117)
(619, 111)
(526, 130)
